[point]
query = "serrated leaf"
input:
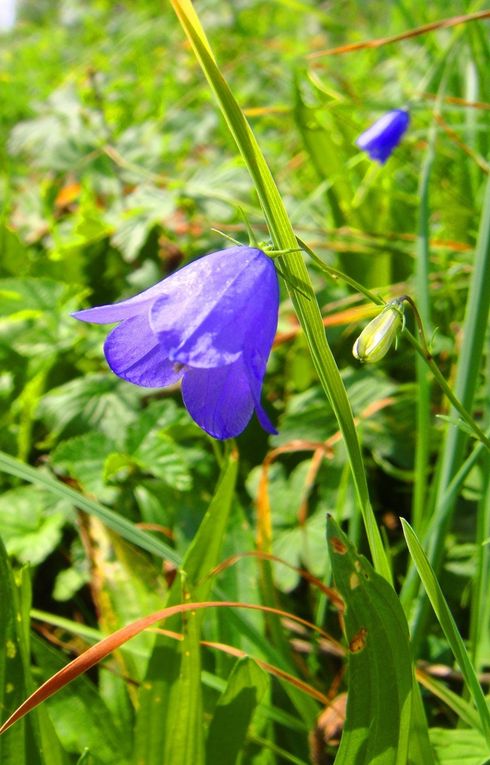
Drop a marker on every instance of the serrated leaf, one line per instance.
(145, 207)
(29, 524)
(459, 747)
(161, 456)
(99, 402)
(83, 457)
(28, 297)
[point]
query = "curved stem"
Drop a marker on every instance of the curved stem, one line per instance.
(421, 348)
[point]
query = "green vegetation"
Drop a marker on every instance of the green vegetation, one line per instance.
(211, 611)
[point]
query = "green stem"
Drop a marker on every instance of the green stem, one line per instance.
(422, 444)
(421, 348)
(480, 602)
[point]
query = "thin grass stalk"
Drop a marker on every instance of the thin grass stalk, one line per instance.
(293, 266)
(474, 331)
(480, 602)
(423, 417)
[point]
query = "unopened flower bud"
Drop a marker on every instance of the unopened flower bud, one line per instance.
(376, 339)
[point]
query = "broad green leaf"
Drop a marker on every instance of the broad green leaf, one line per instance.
(30, 523)
(34, 315)
(94, 458)
(83, 457)
(163, 458)
(459, 747)
(378, 724)
(234, 711)
(146, 207)
(95, 402)
(29, 297)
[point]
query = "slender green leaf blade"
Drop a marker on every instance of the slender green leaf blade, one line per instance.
(448, 625)
(12, 686)
(170, 707)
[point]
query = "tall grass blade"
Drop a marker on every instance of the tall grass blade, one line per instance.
(448, 625)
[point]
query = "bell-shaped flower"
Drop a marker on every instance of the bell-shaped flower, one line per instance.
(384, 135)
(377, 337)
(211, 324)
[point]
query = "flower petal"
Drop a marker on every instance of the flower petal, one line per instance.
(134, 353)
(382, 137)
(219, 400)
(212, 305)
(255, 384)
(108, 314)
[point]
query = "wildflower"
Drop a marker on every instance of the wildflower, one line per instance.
(376, 338)
(384, 135)
(210, 324)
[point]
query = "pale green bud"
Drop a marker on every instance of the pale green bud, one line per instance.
(376, 339)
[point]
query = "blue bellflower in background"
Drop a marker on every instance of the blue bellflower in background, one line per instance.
(211, 324)
(384, 135)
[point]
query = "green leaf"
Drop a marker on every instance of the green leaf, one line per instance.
(379, 708)
(30, 525)
(448, 625)
(111, 519)
(459, 747)
(12, 682)
(94, 402)
(146, 207)
(79, 715)
(29, 297)
(246, 686)
(32, 741)
(160, 456)
(169, 727)
(83, 458)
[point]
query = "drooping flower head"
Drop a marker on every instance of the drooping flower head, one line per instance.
(384, 135)
(210, 324)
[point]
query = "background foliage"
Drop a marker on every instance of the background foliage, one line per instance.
(115, 167)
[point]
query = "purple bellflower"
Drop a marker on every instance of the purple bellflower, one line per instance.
(384, 135)
(211, 324)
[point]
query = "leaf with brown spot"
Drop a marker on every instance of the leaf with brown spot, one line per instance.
(379, 726)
